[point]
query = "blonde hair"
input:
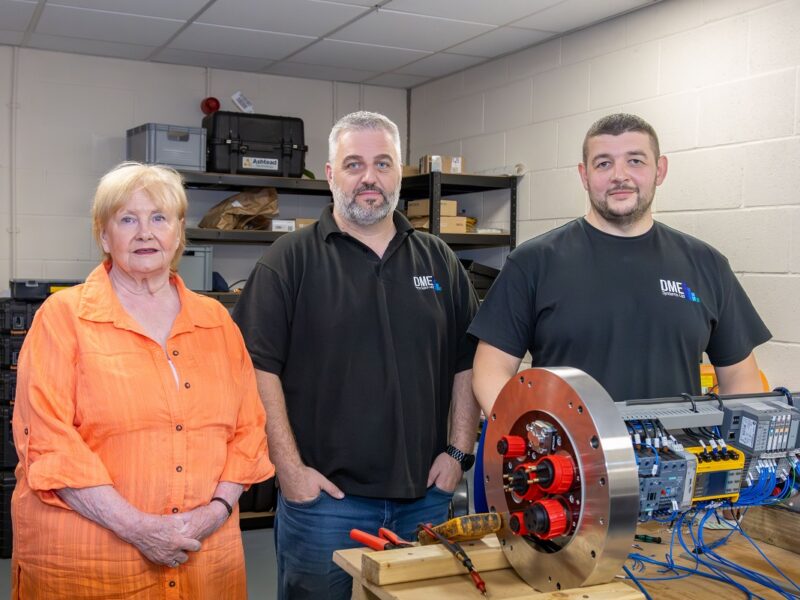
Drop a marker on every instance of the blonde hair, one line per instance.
(163, 185)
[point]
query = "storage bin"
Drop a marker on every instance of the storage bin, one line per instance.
(195, 267)
(182, 148)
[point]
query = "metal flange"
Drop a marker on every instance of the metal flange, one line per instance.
(604, 500)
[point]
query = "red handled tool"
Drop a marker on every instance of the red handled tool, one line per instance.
(459, 553)
(385, 540)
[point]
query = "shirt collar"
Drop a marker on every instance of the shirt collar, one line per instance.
(328, 226)
(99, 303)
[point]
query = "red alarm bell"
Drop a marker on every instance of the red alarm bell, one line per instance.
(209, 105)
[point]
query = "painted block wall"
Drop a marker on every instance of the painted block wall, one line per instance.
(720, 82)
(71, 115)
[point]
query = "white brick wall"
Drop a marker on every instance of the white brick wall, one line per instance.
(720, 82)
(71, 119)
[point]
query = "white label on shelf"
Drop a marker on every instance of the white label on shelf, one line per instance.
(265, 164)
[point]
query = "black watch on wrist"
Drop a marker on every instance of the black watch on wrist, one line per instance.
(465, 460)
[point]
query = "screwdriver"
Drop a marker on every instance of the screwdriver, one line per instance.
(647, 538)
(457, 551)
(464, 529)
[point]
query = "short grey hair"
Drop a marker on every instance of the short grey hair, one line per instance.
(360, 121)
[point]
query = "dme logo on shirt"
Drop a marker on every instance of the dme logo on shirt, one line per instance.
(678, 289)
(426, 282)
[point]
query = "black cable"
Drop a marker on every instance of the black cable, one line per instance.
(688, 398)
(787, 393)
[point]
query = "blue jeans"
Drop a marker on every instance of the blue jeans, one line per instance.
(307, 533)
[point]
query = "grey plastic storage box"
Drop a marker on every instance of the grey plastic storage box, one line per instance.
(195, 267)
(181, 148)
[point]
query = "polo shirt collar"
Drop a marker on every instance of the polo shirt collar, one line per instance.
(99, 303)
(328, 226)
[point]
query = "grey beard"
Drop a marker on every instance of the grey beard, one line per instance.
(365, 216)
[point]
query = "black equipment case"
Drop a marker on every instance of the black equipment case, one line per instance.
(255, 144)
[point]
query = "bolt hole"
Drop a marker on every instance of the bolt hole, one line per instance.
(492, 509)
(602, 521)
(522, 380)
(602, 481)
(494, 417)
(569, 404)
(580, 410)
(594, 554)
(487, 479)
(530, 384)
(503, 542)
(594, 442)
(558, 585)
(549, 578)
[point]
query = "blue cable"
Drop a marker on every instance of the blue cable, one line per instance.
(636, 581)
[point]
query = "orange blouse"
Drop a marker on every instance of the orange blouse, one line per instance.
(98, 404)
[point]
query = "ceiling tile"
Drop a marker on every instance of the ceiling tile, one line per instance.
(477, 11)
(242, 42)
(403, 30)
(94, 47)
(357, 56)
(572, 14)
(105, 26)
(14, 15)
(440, 64)
(292, 69)
(301, 17)
(174, 9)
(367, 3)
(209, 59)
(397, 80)
(501, 41)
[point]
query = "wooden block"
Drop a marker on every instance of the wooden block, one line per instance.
(616, 590)
(774, 525)
(425, 562)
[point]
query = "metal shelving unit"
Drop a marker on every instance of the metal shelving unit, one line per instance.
(432, 185)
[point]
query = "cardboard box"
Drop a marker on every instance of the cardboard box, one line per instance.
(422, 208)
(282, 225)
(410, 170)
(300, 223)
(447, 224)
(445, 164)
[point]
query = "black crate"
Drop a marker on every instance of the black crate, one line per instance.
(7, 483)
(255, 144)
(8, 454)
(10, 345)
(38, 289)
(8, 387)
(16, 316)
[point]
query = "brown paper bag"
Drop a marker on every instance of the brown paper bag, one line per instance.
(252, 209)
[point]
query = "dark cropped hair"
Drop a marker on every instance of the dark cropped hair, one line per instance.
(617, 124)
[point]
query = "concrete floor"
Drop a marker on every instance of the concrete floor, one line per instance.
(259, 553)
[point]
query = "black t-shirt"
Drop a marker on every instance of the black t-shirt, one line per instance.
(366, 349)
(635, 313)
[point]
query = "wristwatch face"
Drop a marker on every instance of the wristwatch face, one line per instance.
(467, 462)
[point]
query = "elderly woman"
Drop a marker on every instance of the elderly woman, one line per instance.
(137, 419)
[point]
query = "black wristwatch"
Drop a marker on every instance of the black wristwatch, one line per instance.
(465, 460)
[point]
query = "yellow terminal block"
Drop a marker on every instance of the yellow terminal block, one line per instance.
(719, 476)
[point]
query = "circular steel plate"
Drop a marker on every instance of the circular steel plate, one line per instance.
(581, 409)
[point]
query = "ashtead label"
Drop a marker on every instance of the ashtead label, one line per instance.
(265, 164)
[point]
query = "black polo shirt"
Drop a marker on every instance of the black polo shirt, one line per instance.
(366, 349)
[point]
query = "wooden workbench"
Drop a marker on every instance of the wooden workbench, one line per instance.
(503, 583)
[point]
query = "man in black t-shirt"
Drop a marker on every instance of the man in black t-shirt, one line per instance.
(357, 327)
(632, 302)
